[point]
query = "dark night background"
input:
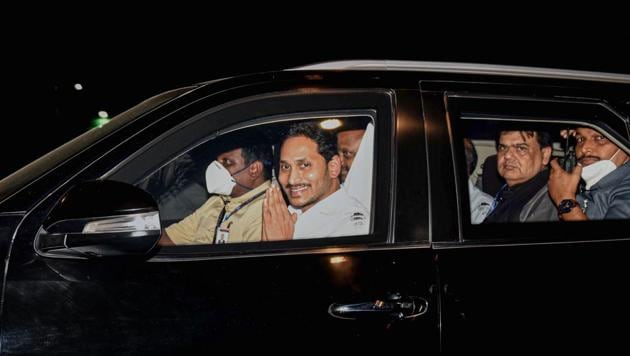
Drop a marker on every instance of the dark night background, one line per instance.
(44, 110)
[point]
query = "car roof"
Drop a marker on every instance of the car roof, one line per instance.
(465, 68)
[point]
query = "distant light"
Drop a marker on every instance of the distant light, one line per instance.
(337, 260)
(330, 124)
(314, 77)
(103, 114)
(100, 121)
(78, 86)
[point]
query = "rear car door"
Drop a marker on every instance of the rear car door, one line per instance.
(558, 285)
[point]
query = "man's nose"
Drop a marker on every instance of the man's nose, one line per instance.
(294, 176)
(509, 154)
(587, 147)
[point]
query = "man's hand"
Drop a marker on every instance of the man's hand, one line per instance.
(562, 184)
(278, 224)
(165, 240)
(566, 133)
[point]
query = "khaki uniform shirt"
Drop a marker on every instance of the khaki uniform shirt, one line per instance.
(244, 225)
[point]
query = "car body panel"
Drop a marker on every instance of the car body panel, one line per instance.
(484, 288)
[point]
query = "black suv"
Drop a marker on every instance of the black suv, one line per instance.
(84, 271)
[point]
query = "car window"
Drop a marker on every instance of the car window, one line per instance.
(215, 192)
(541, 177)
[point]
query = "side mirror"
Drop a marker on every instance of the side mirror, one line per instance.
(100, 219)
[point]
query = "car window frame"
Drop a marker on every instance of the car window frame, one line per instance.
(354, 101)
(601, 117)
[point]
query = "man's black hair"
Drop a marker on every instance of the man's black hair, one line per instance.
(354, 123)
(543, 137)
(326, 140)
(471, 156)
(260, 152)
(254, 146)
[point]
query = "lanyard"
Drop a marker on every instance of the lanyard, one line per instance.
(223, 216)
(242, 205)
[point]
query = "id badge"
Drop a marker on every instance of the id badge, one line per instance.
(223, 235)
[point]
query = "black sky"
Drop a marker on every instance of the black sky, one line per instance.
(43, 110)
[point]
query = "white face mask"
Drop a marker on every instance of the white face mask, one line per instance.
(219, 180)
(594, 172)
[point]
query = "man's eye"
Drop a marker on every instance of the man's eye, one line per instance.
(521, 149)
(305, 165)
(579, 139)
(348, 154)
(284, 167)
(502, 148)
(600, 139)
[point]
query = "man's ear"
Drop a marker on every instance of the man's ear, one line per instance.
(255, 169)
(546, 152)
(334, 166)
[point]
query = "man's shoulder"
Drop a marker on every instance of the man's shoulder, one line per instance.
(341, 201)
(624, 172)
(212, 200)
(478, 195)
(622, 187)
(619, 181)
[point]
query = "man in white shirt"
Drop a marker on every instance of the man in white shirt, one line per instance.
(348, 142)
(480, 202)
(309, 175)
(357, 181)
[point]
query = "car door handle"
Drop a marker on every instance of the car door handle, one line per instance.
(389, 309)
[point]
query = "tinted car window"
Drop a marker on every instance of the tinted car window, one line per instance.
(526, 170)
(194, 187)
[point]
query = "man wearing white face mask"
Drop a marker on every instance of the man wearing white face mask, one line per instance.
(237, 181)
(605, 169)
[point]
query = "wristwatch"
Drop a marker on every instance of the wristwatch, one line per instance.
(566, 206)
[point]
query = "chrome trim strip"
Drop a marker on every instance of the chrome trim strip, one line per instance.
(467, 68)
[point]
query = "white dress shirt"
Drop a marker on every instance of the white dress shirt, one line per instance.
(358, 183)
(337, 215)
(480, 203)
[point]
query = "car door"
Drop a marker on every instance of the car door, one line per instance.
(515, 286)
(364, 290)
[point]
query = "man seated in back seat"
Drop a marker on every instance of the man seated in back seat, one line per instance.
(522, 159)
(480, 202)
(605, 168)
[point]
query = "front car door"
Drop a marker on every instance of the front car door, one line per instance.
(203, 296)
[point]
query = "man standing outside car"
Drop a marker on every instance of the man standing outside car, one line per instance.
(605, 168)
